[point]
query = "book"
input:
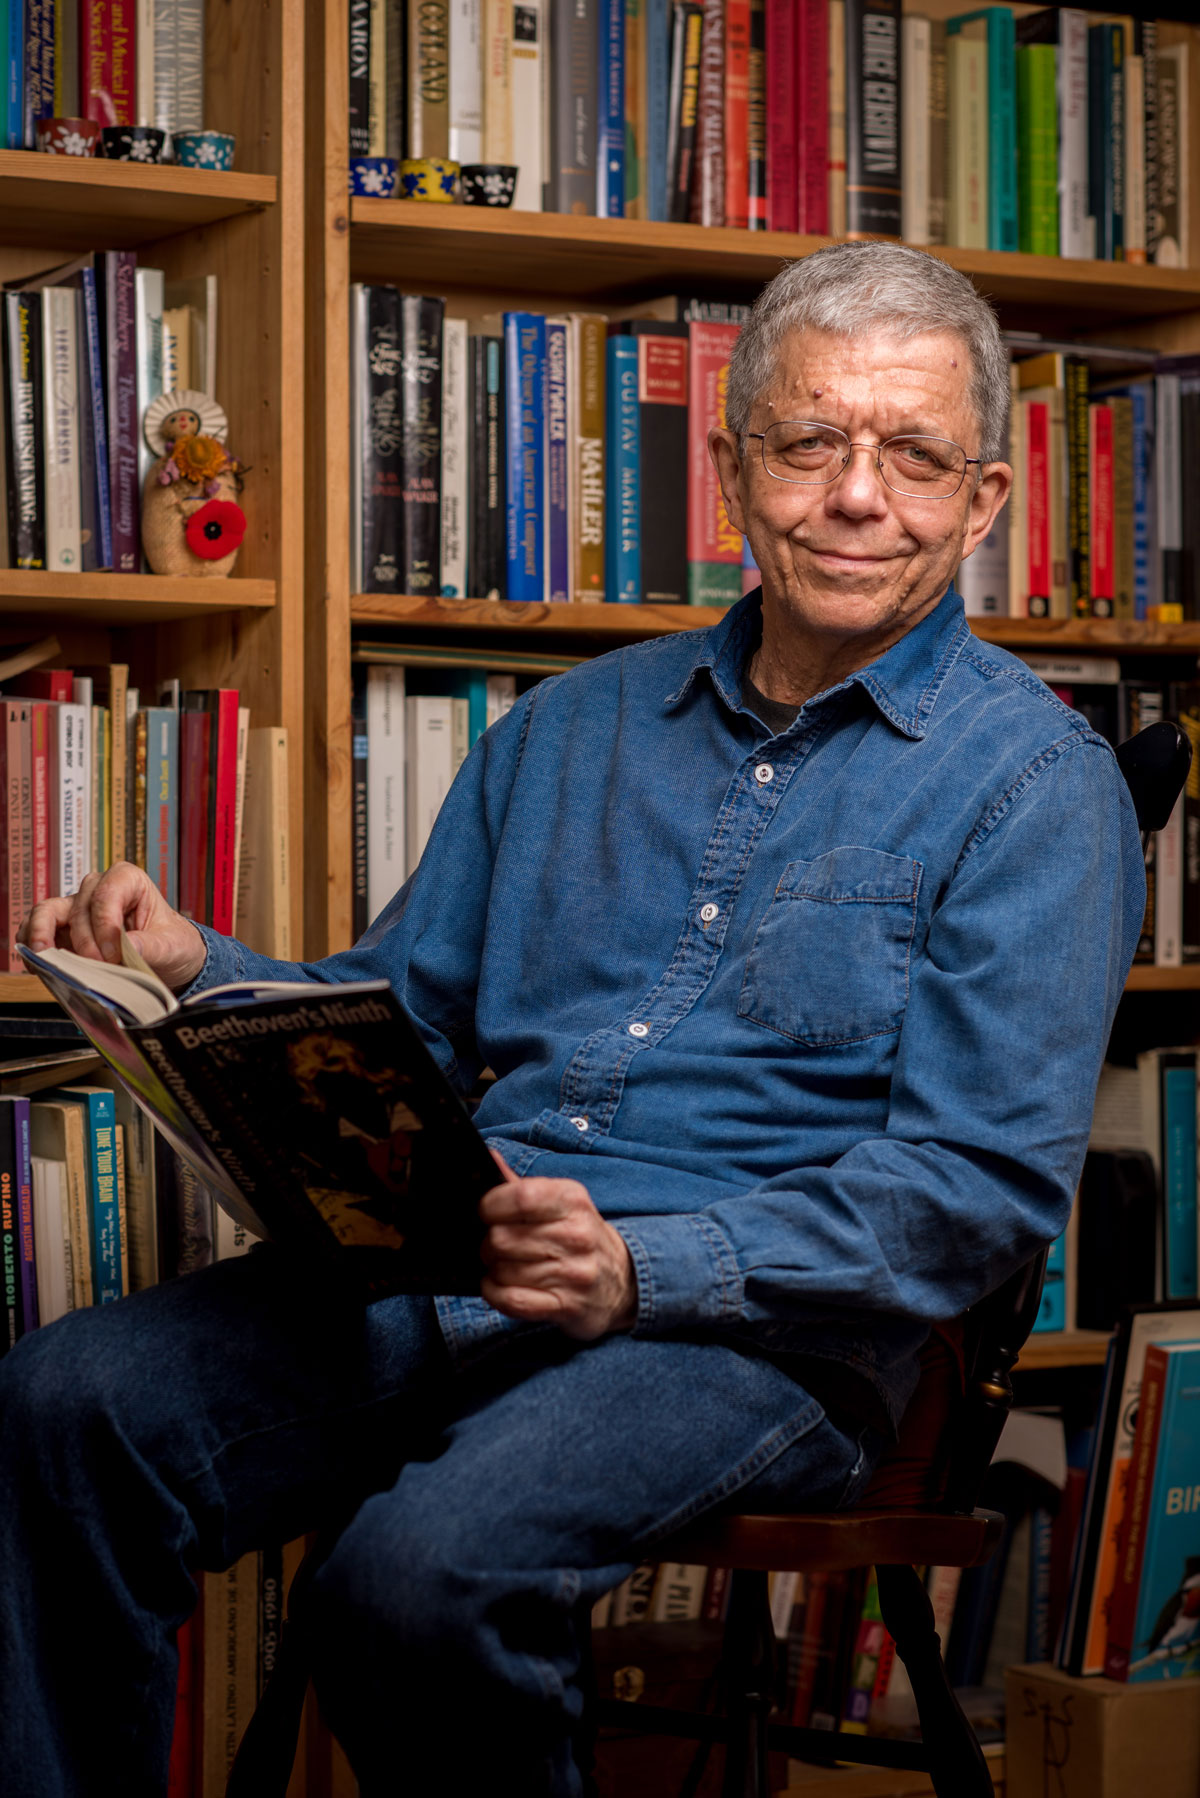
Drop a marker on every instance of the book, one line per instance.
(487, 560)
(610, 109)
(51, 1238)
(873, 88)
(16, 808)
(967, 132)
(586, 367)
(264, 885)
(427, 130)
(756, 121)
(24, 445)
(357, 1149)
(453, 477)
(525, 389)
(994, 25)
(97, 1113)
(1106, 138)
(387, 841)
(56, 1133)
(783, 119)
(526, 84)
(686, 37)
(1173, 246)
(662, 399)
(706, 205)
(622, 523)
(736, 110)
(558, 512)
(428, 766)
(571, 170)
(915, 56)
(714, 547)
(61, 430)
(1038, 101)
(812, 100)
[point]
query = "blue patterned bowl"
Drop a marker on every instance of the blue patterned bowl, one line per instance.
(204, 149)
(374, 176)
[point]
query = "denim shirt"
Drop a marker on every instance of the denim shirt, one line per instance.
(816, 1017)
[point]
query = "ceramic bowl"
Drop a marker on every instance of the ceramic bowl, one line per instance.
(132, 143)
(68, 137)
(374, 176)
(488, 183)
(429, 178)
(204, 149)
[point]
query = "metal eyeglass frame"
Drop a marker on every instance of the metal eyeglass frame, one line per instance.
(851, 446)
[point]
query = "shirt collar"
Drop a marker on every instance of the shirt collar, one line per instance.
(904, 682)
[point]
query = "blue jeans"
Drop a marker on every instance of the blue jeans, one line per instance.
(479, 1512)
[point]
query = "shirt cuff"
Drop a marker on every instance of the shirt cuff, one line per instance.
(222, 962)
(686, 1272)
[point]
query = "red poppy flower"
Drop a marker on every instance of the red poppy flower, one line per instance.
(216, 529)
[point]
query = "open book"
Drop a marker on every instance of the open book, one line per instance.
(316, 1114)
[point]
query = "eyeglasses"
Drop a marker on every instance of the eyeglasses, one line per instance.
(811, 455)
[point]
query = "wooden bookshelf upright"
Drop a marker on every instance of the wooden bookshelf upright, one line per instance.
(246, 226)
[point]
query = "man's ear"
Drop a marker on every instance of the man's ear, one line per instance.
(987, 502)
(723, 449)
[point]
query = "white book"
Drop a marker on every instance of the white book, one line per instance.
(497, 81)
(983, 577)
(454, 458)
(528, 102)
(1168, 891)
(461, 738)
(501, 696)
(678, 1595)
(428, 767)
(1174, 157)
(386, 836)
(914, 114)
(1076, 226)
(233, 1238)
(377, 76)
(1135, 159)
(70, 810)
(263, 917)
(1167, 465)
(967, 92)
(51, 1239)
(358, 393)
(148, 351)
(198, 294)
(144, 62)
(782, 1589)
(60, 429)
(466, 81)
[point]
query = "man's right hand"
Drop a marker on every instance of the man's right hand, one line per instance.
(124, 898)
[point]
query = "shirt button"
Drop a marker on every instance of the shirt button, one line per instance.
(639, 1030)
(709, 912)
(580, 1123)
(763, 773)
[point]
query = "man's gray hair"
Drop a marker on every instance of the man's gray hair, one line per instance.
(854, 289)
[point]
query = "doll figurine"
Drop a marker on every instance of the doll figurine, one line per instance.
(191, 521)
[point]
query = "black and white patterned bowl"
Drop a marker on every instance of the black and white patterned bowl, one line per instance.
(132, 143)
(488, 183)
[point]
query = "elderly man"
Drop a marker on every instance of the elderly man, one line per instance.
(794, 945)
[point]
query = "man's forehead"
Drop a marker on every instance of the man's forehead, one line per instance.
(932, 367)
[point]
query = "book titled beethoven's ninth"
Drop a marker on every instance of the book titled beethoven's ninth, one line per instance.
(315, 1114)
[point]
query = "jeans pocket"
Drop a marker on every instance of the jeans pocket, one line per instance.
(830, 960)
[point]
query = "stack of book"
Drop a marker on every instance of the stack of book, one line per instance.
(91, 774)
(106, 60)
(86, 346)
(1059, 132)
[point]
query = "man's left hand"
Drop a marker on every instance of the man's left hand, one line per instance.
(551, 1258)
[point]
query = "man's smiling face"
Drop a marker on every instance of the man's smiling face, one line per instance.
(853, 562)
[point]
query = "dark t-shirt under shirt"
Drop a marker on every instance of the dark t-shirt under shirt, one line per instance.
(773, 712)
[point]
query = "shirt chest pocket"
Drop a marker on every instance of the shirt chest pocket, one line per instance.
(830, 960)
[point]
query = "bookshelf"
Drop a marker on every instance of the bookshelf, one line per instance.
(246, 227)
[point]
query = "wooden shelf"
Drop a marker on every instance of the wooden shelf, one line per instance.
(1146, 979)
(1108, 635)
(22, 989)
(595, 259)
(129, 598)
(83, 203)
(1064, 1348)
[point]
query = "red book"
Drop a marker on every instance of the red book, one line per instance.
(195, 784)
(707, 206)
(1037, 508)
(39, 734)
(783, 205)
(812, 107)
(737, 113)
(108, 61)
(714, 548)
(181, 1768)
(1131, 1542)
(1101, 508)
(16, 882)
(808, 1655)
(45, 683)
(223, 808)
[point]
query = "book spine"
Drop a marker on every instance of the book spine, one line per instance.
(812, 98)
(89, 522)
(658, 83)
(685, 92)
(486, 538)
(662, 391)
(60, 425)
(428, 123)
(378, 409)
(97, 417)
(223, 809)
(589, 371)
(1147, 37)
(1037, 487)
(1135, 160)
(1037, 149)
(360, 77)
(466, 81)
(497, 77)
(420, 414)
(966, 82)
(38, 67)
(558, 559)
(387, 839)
(454, 459)
(377, 81)
(714, 548)
(1123, 555)
(571, 177)
(162, 810)
(1171, 250)
(26, 453)
(39, 771)
(736, 113)
(1106, 154)
(148, 345)
(1131, 1541)
(939, 125)
(189, 66)
(23, 1171)
(1142, 404)
(1075, 224)
(1079, 572)
(12, 73)
(756, 120)
(99, 1116)
(428, 766)
(610, 109)
(107, 61)
(915, 48)
(707, 200)
(873, 118)
(1100, 457)
(358, 786)
(525, 379)
(635, 110)
(623, 550)
(1002, 130)
(528, 104)
(194, 726)
(10, 1235)
(120, 270)
(1168, 891)
(13, 720)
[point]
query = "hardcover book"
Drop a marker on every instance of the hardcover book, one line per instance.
(873, 118)
(355, 1148)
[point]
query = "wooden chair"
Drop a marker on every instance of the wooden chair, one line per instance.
(948, 1532)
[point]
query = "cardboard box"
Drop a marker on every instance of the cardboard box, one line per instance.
(1098, 1738)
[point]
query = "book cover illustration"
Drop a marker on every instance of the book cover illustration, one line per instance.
(1166, 1632)
(315, 1113)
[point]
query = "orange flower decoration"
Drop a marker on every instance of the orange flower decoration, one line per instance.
(199, 458)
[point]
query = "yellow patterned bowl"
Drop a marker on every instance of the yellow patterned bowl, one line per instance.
(428, 178)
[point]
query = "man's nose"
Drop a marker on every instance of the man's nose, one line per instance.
(860, 486)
